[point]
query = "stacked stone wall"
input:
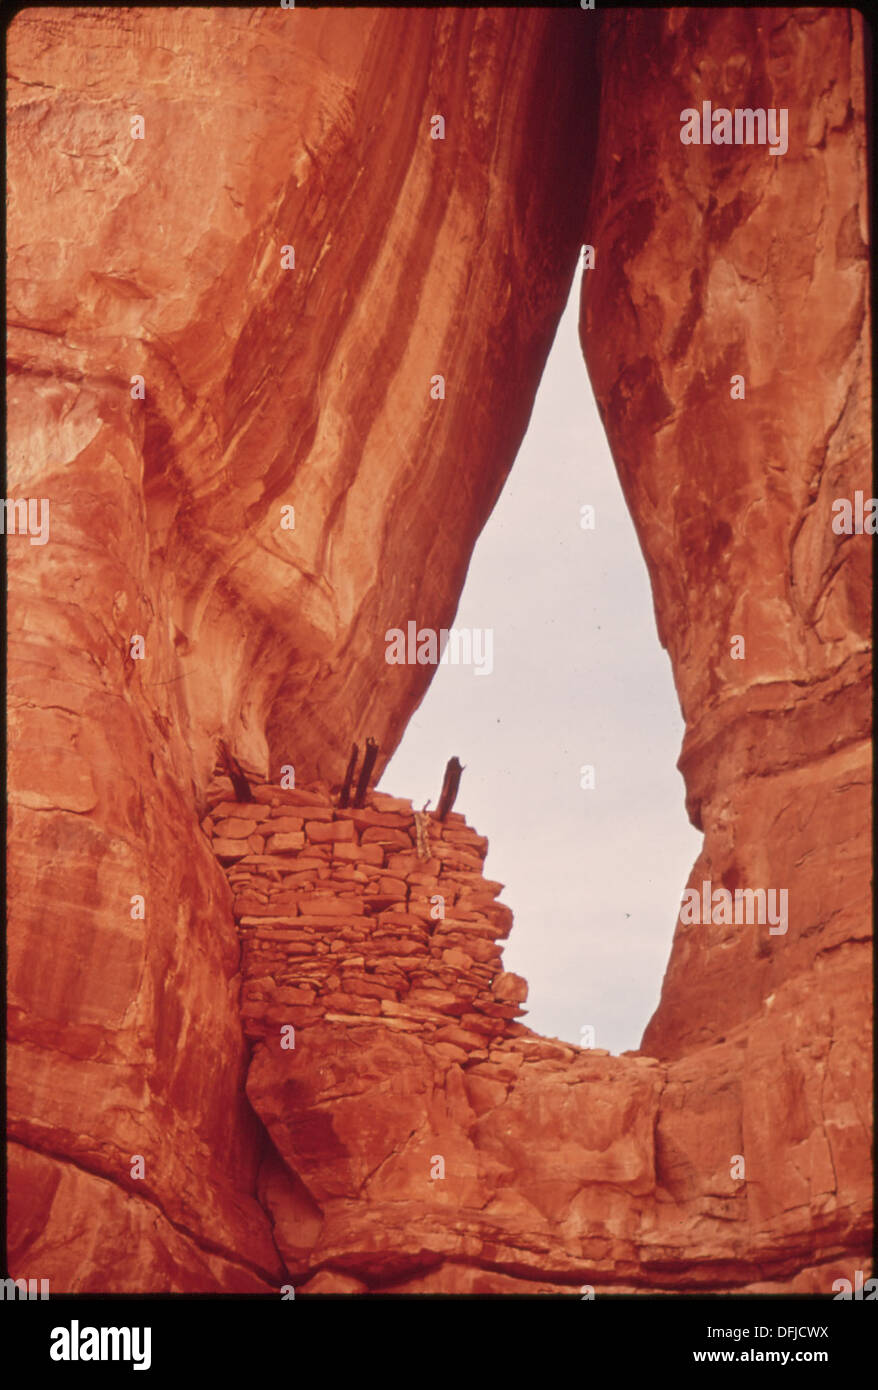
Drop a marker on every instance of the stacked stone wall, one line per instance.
(379, 913)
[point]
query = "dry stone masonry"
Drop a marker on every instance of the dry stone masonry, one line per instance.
(368, 913)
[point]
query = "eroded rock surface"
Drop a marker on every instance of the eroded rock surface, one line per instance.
(424, 1139)
(264, 387)
(716, 261)
(310, 388)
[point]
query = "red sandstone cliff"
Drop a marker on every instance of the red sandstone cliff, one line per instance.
(311, 388)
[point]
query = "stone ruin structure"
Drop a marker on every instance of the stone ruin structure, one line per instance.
(172, 388)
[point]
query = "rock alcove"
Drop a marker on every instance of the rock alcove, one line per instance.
(159, 258)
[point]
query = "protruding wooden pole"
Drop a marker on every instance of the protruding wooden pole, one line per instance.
(366, 771)
(345, 796)
(450, 784)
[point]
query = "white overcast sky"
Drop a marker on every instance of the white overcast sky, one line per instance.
(594, 878)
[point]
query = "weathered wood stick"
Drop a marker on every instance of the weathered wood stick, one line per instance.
(450, 784)
(345, 795)
(366, 771)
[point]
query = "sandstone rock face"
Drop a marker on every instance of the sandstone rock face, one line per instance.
(718, 260)
(403, 1145)
(425, 1140)
(266, 387)
(715, 261)
(160, 258)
